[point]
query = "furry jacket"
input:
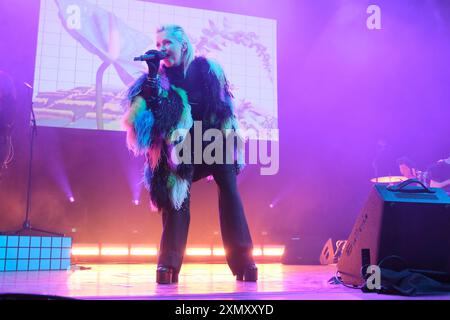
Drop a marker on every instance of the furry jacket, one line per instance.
(202, 94)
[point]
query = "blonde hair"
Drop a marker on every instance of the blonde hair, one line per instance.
(181, 36)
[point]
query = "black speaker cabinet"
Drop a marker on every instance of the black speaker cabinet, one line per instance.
(300, 250)
(411, 224)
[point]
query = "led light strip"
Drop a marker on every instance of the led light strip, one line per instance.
(104, 250)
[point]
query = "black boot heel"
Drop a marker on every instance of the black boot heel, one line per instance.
(249, 274)
(164, 275)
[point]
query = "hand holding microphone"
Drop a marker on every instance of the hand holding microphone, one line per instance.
(150, 88)
(152, 58)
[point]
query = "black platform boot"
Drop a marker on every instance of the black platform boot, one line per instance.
(250, 273)
(166, 275)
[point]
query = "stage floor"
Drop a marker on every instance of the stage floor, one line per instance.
(197, 281)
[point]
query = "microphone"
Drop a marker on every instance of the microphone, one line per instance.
(151, 56)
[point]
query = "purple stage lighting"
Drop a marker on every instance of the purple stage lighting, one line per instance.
(133, 172)
(71, 199)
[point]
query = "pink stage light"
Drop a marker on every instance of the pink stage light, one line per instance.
(71, 199)
(274, 251)
(85, 250)
(143, 251)
(114, 251)
(219, 252)
(198, 252)
(257, 252)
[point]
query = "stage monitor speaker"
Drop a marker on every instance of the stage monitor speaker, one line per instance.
(301, 250)
(411, 225)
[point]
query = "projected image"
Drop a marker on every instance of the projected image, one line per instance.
(84, 60)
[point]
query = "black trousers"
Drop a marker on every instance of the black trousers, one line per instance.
(233, 224)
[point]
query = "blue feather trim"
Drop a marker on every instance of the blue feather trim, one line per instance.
(143, 124)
